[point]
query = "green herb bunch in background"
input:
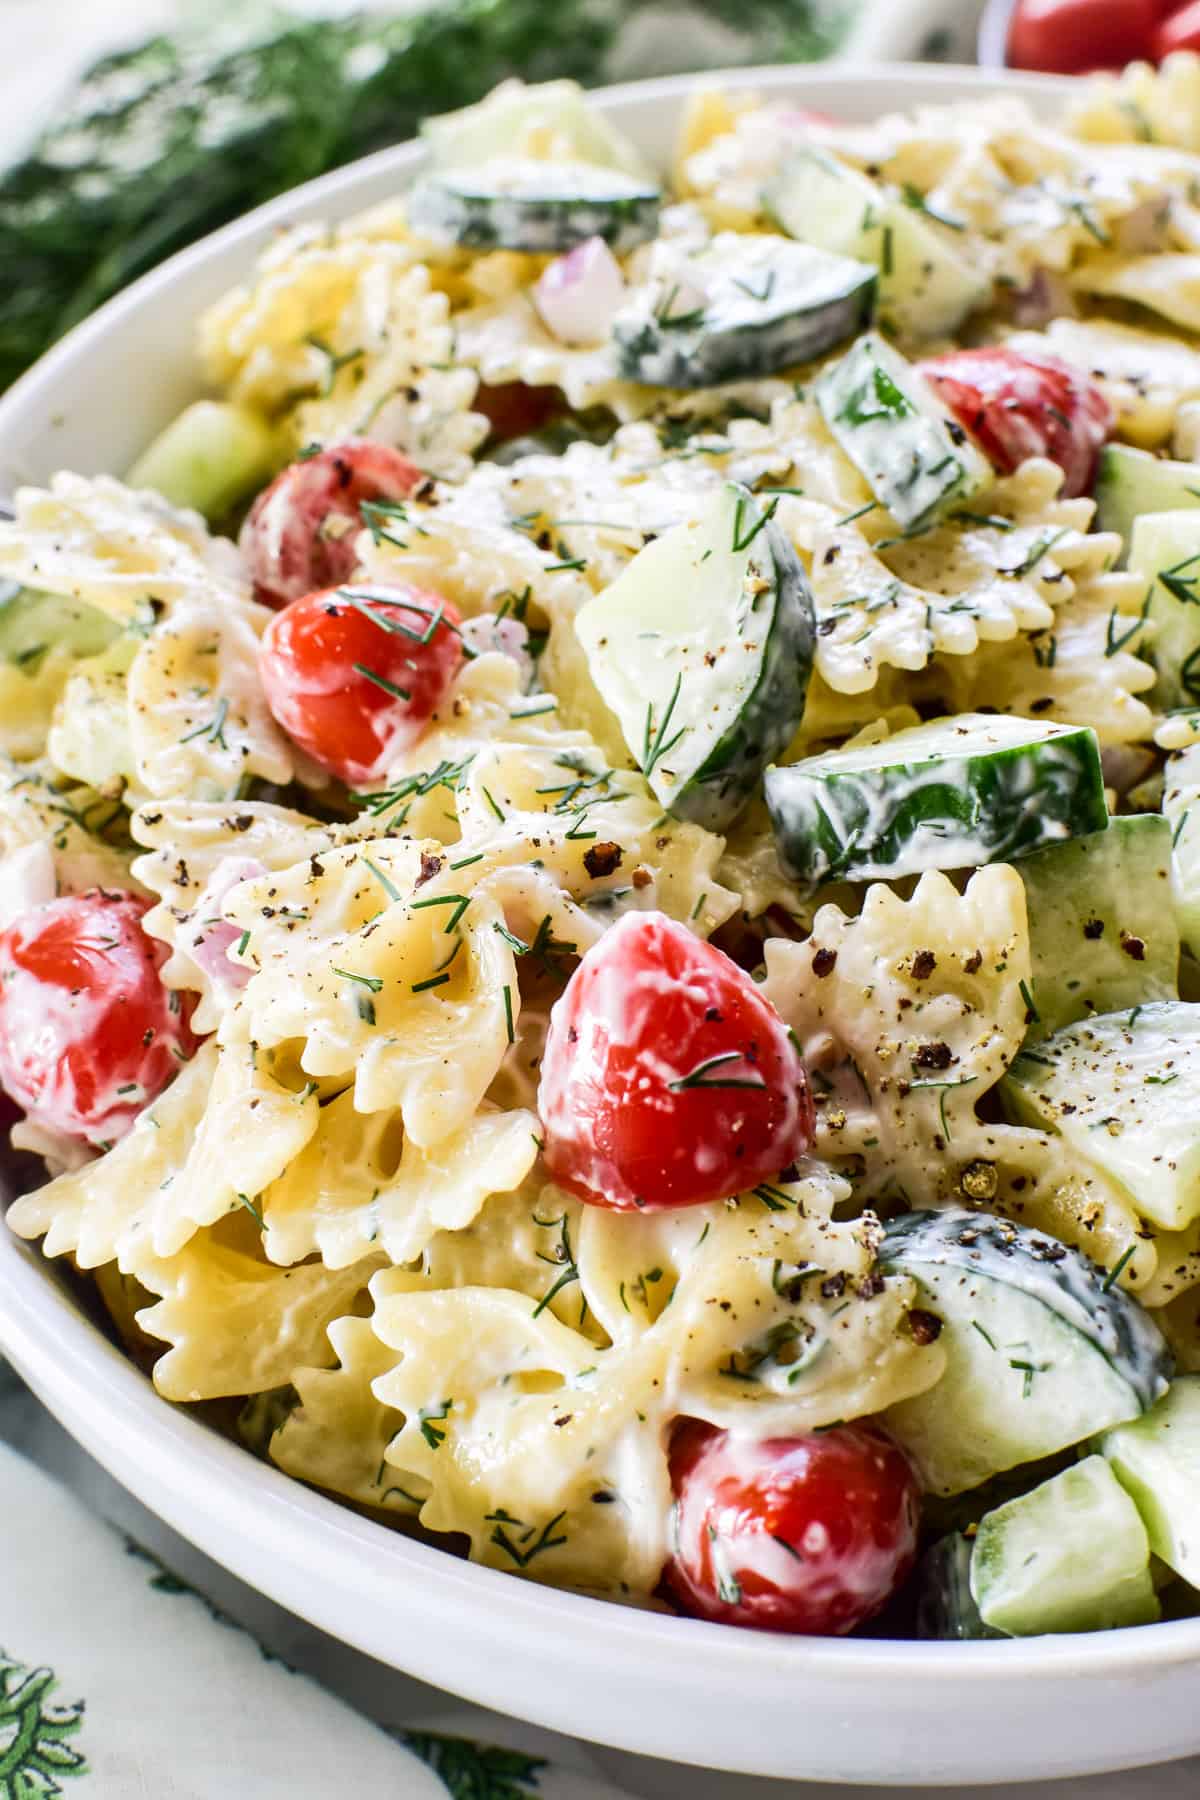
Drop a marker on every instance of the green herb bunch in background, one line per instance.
(162, 143)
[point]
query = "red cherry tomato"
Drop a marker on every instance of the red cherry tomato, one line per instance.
(300, 532)
(1017, 406)
(354, 675)
(1065, 37)
(1179, 31)
(809, 1534)
(667, 1079)
(514, 410)
(88, 1032)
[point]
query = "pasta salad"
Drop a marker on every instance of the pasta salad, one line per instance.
(601, 861)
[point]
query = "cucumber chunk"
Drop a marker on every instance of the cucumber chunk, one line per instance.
(1130, 482)
(525, 203)
(1165, 548)
(702, 648)
(1123, 1090)
(763, 304)
(33, 624)
(1181, 809)
(1101, 922)
(954, 794)
(1070, 1556)
(209, 458)
(915, 458)
(551, 118)
(1157, 1461)
(926, 286)
(946, 1608)
(1037, 1347)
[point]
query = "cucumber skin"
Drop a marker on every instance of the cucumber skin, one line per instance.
(946, 1608)
(855, 394)
(839, 209)
(842, 826)
(1058, 1277)
(730, 774)
(675, 357)
(438, 210)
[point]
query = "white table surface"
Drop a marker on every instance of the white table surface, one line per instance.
(43, 40)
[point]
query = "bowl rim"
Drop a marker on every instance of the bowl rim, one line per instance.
(75, 1368)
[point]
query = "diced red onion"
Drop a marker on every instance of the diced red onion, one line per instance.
(212, 936)
(578, 294)
(489, 632)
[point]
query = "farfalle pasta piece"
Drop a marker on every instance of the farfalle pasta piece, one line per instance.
(352, 326)
(1167, 284)
(909, 1014)
(221, 1132)
(334, 1432)
(1141, 106)
(189, 847)
(199, 723)
(986, 575)
(412, 996)
(348, 1193)
(1085, 670)
(395, 373)
(508, 1419)
(597, 830)
(195, 719)
(92, 539)
(237, 1324)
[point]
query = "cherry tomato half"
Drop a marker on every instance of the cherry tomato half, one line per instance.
(1067, 37)
(1180, 31)
(808, 1534)
(667, 1078)
(354, 674)
(300, 532)
(1017, 406)
(88, 1032)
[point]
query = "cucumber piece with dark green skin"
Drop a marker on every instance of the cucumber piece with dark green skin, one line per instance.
(703, 648)
(1102, 926)
(521, 203)
(946, 1607)
(890, 423)
(1040, 1347)
(954, 794)
(33, 623)
(927, 285)
(763, 304)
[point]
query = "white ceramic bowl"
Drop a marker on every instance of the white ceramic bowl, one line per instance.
(852, 1711)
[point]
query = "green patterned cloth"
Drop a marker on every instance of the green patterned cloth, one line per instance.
(119, 1680)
